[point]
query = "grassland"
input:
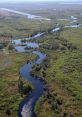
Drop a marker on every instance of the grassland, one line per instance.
(16, 26)
(73, 35)
(62, 72)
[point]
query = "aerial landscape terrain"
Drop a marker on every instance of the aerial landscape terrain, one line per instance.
(41, 59)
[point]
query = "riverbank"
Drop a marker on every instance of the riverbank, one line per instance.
(9, 79)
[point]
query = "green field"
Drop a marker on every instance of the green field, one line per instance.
(62, 71)
(20, 27)
(73, 35)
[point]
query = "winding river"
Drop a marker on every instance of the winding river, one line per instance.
(26, 107)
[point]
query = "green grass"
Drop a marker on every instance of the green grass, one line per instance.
(73, 35)
(13, 26)
(67, 84)
(62, 71)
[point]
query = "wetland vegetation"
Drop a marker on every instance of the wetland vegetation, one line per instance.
(61, 68)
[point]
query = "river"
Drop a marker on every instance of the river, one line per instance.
(26, 107)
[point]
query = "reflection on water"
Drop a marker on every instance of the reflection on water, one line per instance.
(55, 30)
(41, 56)
(28, 45)
(73, 26)
(20, 49)
(73, 18)
(32, 45)
(21, 46)
(19, 41)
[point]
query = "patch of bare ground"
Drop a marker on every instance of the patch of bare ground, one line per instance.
(4, 39)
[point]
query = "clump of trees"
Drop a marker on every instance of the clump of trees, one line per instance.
(55, 42)
(23, 41)
(11, 47)
(55, 100)
(40, 69)
(24, 86)
(4, 44)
